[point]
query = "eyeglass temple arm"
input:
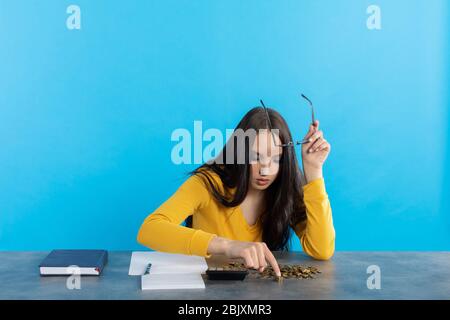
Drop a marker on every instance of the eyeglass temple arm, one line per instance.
(312, 108)
(289, 144)
(267, 114)
(267, 118)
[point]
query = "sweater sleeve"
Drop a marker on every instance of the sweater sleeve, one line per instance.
(316, 233)
(161, 230)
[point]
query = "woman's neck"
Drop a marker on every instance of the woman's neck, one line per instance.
(253, 205)
(255, 193)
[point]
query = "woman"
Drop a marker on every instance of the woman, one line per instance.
(246, 207)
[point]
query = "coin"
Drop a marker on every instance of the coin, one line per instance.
(290, 271)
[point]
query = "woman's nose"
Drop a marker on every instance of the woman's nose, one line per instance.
(264, 171)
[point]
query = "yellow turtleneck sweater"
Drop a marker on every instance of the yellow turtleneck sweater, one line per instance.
(162, 230)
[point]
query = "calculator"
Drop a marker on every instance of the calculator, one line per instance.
(221, 274)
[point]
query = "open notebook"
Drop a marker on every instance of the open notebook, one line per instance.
(168, 271)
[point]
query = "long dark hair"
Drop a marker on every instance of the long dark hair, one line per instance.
(284, 205)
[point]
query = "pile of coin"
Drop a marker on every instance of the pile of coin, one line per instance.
(287, 271)
(235, 266)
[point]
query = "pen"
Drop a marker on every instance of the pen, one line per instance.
(147, 270)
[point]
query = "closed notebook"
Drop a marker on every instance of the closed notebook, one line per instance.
(67, 262)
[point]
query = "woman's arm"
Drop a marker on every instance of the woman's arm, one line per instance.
(317, 234)
(162, 231)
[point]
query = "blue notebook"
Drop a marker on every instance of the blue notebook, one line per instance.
(67, 262)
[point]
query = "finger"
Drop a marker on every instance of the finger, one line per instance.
(309, 133)
(271, 259)
(320, 145)
(261, 257)
(315, 144)
(254, 258)
(316, 124)
(316, 137)
(248, 259)
(308, 136)
(312, 128)
(327, 147)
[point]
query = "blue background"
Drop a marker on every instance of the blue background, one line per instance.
(86, 115)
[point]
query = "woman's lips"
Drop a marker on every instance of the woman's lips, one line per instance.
(262, 182)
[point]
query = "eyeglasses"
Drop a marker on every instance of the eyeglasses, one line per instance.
(290, 143)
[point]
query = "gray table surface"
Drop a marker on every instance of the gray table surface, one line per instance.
(404, 275)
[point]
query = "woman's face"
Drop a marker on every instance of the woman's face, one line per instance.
(265, 159)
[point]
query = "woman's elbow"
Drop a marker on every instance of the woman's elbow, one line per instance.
(144, 234)
(324, 255)
(323, 251)
(326, 250)
(140, 236)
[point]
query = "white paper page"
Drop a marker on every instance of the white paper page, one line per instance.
(165, 263)
(172, 281)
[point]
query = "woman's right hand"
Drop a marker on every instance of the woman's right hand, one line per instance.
(256, 255)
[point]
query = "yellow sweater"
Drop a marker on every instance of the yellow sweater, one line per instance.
(161, 230)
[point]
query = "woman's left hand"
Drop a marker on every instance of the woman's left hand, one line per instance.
(315, 152)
